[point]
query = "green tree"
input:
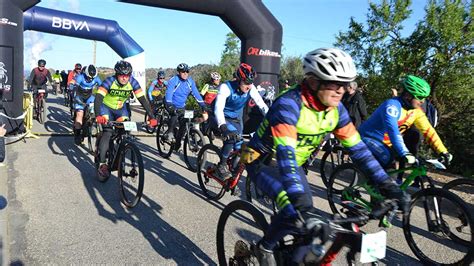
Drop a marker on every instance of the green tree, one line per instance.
(440, 49)
(291, 69)
(230, 58)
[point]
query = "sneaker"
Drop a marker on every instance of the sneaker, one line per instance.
(222, 172)
(265, 257)
(104, 170)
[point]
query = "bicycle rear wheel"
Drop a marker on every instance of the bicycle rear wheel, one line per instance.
(347, 191)
(42, 111)
(332, 158)
(165, 147)
(131, 175)
(193, 143)
(210, 184)
(240, 226)
(428, 228)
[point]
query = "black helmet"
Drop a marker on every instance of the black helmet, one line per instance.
(90, 71)
(123, 68)
(183, 67)
(57, 71)
(77, 66)
(41, 62)
(160, 74)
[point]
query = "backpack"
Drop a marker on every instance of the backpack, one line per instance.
(431, 113)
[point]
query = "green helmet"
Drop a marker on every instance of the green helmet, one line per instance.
(416, 86)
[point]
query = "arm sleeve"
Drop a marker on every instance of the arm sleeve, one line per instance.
(258, 100)
(204, 89)
(221, 98)
(170, 90)
(346, 132)
(428, 131)
(150, 89)
(142, 99)
(99, 99)
(30, 79)
(195, 92)
(391, 113)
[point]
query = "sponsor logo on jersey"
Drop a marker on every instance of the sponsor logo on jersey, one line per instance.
(393, 111)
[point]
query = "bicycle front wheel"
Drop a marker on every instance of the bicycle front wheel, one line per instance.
(131, 175)
(239, 228)
(42, 111)
(430, 223)
(165, 146)
(193, 143)
(211, 185)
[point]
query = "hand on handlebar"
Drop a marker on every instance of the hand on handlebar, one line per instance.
(101, 120)
(445, 158)
(152, 122)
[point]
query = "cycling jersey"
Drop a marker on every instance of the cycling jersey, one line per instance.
(293, 130)
(230, 101)
(209, 91)
(391, 120)
(156, 88)
(71, 76)
(57, 78)
(39, 77)
(178, 91)
(115, 94)
(81, 81)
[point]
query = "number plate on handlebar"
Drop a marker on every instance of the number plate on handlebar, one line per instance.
(41, 91)
(373, 247)
(188, 114)
(130, 126)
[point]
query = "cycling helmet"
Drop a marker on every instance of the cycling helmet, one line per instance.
(123, 68)
(90, 71)
(57, 72)
(41, 63)
(160, 74)
(182, 68)
(330, 64)
(77, 66)
(245, 73)
(215, 76)
(416, 86)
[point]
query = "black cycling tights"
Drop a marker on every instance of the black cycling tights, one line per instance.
(104, 143)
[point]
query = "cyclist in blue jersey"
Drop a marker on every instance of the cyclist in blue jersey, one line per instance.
(179, 88)
(292, 129)
(157, 87)
(230, 102)
(84, 84)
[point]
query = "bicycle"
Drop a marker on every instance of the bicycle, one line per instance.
(160, 113)
(89, 127)
(193, 139)
(305, 248)
(40, 105)
(442, 212)
(130, 168)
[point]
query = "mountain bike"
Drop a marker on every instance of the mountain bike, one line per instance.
(40, 105)
(193, 139)
(89, 127)
(160, 113)
(125, 157)
(241, 225)
(438, 223)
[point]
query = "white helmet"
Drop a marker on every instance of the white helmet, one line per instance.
(215, 76)
(330, 64)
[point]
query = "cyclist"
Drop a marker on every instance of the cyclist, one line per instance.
(57, 81)
(383, 131)
(109, 106)
(179, 88)
(63, 81)
(210, 90)
(157, 87)
(292, 129)
(39, 77)
(85, 83)
(230, 102)
(70, 79)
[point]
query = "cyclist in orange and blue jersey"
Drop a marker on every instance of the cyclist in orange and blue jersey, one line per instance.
(383, 131)
(157, 87)
(109, 105)
(292, 129)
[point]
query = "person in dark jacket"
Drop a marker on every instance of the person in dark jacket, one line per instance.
(355, 104)
(3, 131)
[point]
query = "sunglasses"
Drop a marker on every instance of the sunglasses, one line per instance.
(184, 71)
(123, 76)
(161, 78)
(334, 85)
(419, 98)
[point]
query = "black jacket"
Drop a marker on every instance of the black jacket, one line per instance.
(356, 106)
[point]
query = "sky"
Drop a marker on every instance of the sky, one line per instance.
(170, 37)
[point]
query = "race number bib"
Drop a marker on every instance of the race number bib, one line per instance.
(130, 126)
(373, 247)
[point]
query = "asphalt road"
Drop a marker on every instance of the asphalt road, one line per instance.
(59, 213)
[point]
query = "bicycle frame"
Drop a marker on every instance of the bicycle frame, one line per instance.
(232, 182)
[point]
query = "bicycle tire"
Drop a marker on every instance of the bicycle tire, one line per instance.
(423, 196)
(331, 158)
(131, 201)
(354, 176)
(460, 188)
(160, 142)
(229, 210)
(202, 178)
(42, 111)
(193, 166)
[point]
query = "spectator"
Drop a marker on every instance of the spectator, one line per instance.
(355, 104)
